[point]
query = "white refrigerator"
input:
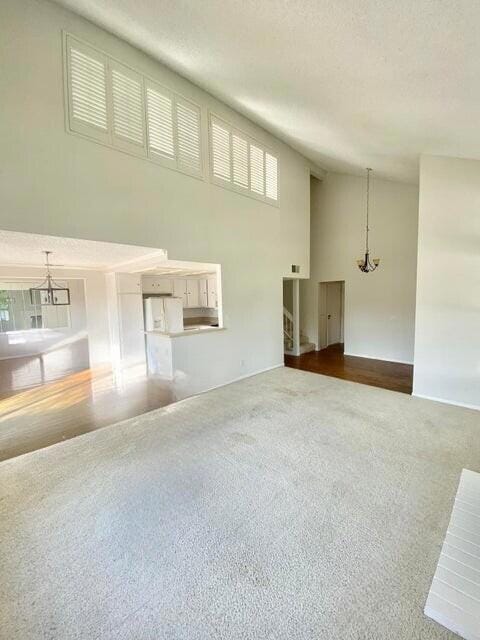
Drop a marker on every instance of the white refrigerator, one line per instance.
(164, 314)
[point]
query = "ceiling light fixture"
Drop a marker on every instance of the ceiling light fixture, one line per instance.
(49, 292)
(365, 264)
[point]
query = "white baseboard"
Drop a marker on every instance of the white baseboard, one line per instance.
(363, 355)
(247, 375)
(465, 405)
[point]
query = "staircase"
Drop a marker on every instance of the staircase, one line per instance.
(288, 333)
(305, 344)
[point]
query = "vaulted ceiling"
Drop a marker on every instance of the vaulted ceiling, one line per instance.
(349, 83)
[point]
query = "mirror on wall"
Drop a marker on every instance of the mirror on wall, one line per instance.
(18, 313)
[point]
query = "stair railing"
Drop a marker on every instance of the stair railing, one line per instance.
(287, 329)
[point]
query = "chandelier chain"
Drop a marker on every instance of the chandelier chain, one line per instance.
(366, 265)
(368, 210)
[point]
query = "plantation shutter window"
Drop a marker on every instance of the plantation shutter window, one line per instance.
(271, 176)
(240, 161)
(241, 164)
(128, 110)
(89, 94)
(160, 122)
(257, 170)
(188, 137)
(87, 90)
(220, 151)
(110, 102)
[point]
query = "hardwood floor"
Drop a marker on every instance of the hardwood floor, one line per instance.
(17, 374)
(377, 373)
(79, 402)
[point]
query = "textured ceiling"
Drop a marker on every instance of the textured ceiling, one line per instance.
(350, 83)
(26, 249)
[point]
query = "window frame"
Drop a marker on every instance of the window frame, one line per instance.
(109, 139)
(119, 141)
(75, 126)
(229, 184)
(153, 155)
(188, 104)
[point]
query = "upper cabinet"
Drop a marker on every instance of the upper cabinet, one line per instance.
(154, 284)
(194, 292)
(203, 292)
(212, 292)
(180, 290)
(128, 283)
(187, 290)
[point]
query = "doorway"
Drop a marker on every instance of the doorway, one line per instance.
(331, 313)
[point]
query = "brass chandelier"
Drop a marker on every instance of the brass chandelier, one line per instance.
(365, 264)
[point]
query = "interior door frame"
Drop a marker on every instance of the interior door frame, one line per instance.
(323, 338)
(322, 316)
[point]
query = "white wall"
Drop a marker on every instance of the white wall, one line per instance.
(57, 183)
(379, 306)
(88, 315)
(447, 337)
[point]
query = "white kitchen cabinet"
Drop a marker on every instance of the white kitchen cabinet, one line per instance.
(212, 292)
(192, 293)
(180, 290)
(132, 339)
(125, 312)
(154, 284)
(187, 290)
(203, 292)
(128, 283)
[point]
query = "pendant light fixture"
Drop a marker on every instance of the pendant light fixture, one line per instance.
(49, 292)
(365, 264)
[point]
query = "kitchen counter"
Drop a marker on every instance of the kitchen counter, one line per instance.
(188, 331)
(168, 357)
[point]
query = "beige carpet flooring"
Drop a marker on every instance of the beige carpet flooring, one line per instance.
(286, 506)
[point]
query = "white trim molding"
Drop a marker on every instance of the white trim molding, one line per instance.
(454, 403)
(363, 355)
(247, 375)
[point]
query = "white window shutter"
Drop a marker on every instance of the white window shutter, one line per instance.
(189, 156)
(128, 109)
(124, 109)
(160, 126)
(240, 161)
(220, 139)
(257, 170)
(87, 90)
(271, 176)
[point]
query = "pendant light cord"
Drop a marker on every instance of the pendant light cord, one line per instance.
(49, 278)
(47, 262)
